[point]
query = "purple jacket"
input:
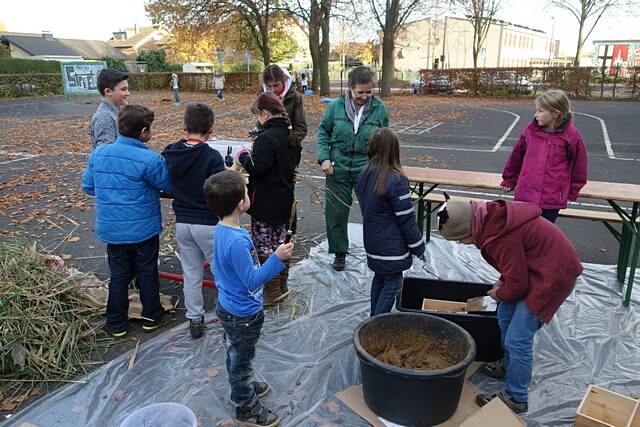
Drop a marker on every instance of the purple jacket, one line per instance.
(547, 168)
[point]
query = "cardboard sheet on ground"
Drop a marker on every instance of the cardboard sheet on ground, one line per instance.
(306, 351)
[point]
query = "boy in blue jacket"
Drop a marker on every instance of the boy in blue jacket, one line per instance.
(240, 280)
(191, 161)
(126, 178)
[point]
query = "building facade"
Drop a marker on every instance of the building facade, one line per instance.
(448, 43)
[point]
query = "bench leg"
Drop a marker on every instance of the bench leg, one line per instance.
(421, 208)
(626, 290)
(428, 222)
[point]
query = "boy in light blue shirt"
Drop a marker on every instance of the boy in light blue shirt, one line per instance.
(240, 280)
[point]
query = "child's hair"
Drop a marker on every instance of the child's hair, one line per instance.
(109, 78)
(198, 118)
(384, 156)
(272, 73)
(269, 102)
(223, 191)
(133, 118)
(360, 75)
(555, 100)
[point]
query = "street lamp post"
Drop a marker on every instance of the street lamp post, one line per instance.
(553, 27)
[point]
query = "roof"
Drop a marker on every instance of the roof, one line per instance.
(132, 41)
(38, 45)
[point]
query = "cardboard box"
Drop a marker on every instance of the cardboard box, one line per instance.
(603, 408)
(472, 305)
(497, 412)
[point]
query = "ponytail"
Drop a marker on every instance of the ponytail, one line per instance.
(267, 101)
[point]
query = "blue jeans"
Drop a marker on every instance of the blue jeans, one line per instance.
(518, 326)
(550, 214)
(241, 336)
(139, 260)
(176, 96)
(385, 288)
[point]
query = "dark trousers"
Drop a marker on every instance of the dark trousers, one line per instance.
(139, 260)
(550, 214)
(241, 336)
(385, 288)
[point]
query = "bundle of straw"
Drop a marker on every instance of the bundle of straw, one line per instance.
(45, 331)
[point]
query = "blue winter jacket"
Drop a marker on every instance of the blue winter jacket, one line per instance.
(126, 178)
(391, 232)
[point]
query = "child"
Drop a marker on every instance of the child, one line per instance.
(304, 82)
(114, 88)
(218, 84)
(548, 165)
(126, 178)
(174, 85)
(538, 268)
(391, 233)
(240, 278)
(191, 161)
(271, 169)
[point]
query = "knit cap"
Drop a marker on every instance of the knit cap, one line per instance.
(454, 222)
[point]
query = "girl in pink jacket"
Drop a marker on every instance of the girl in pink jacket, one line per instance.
(548, 165)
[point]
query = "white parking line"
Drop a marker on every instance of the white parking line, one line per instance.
(503, 138)
(21, 157)
(607, 140)
(429, 128)
(409, 127)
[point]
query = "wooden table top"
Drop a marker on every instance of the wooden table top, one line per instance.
(593, 190)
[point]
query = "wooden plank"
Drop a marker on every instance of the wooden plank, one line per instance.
(442, 305)
(601, 190)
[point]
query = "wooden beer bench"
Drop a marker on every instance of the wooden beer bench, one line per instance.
(426, 180)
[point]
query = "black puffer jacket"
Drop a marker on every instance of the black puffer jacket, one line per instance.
(271, 167)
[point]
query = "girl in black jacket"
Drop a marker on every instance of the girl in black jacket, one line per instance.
(271, 167)
(391, 234)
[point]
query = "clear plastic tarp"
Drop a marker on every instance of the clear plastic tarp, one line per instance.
(306, 351)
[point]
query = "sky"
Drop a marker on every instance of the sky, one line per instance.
(35, 16)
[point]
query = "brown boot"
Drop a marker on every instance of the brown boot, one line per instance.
(271, 293)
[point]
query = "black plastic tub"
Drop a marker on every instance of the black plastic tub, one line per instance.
(483, 327)
(411, 397)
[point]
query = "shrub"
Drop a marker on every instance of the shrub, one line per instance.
(17, 85)
(115, 63)
(28, 66)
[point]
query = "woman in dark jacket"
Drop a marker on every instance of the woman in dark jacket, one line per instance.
(271, 167)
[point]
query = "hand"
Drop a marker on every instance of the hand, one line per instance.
(506, 189)
(493, 293)
(327, 167)
(497, 284)
(230, 168)
(243, 152)
(284, 251)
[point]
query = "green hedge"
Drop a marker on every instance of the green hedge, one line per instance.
(195, 82)
(18, 85)
(28, 66)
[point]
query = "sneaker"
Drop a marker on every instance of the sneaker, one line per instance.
(517, 407)
(150, 327)
(494, 369)
(196, 328)
(339, 262)
(261, 388)
(256, 416)
(116, 334)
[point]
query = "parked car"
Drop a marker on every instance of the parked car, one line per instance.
(439, 84)
(513, 82)
(417, 84)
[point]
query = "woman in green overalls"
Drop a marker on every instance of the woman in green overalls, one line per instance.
(342, 144)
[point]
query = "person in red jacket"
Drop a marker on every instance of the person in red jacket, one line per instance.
(538, 268)
(548, 165)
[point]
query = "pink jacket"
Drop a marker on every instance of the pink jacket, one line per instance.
(547, 168)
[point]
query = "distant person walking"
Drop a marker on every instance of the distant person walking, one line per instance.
(174, 85)
(218, 84)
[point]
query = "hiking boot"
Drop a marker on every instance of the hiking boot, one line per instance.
(149, 326)
(261, 388)
(339, 262)
(284, 288)
(196, 328)
(494, 369)
(517, 407)
(256, 416)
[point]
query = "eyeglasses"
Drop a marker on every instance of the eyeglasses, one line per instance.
(362, 93)
(443, 214)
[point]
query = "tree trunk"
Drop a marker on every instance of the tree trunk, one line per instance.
(576, 61)
(325, 48)
(388, 52)
(314, 49)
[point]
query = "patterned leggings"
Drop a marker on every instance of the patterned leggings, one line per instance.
(267, 237)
